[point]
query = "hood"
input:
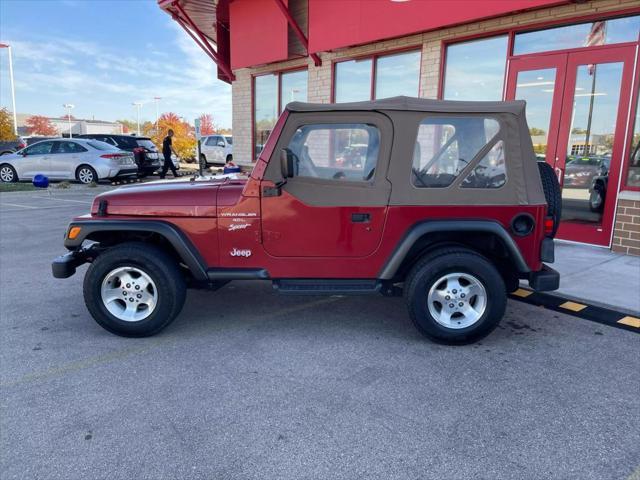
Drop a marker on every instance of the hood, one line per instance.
(165, 199)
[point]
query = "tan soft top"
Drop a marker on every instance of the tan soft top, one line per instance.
(413, 104)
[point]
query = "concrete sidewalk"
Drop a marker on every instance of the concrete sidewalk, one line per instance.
(598, 276)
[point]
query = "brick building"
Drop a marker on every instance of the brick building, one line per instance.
(575, 62)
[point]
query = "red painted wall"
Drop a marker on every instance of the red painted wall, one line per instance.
(258, 33)
(340, 23)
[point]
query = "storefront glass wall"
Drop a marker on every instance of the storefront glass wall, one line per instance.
(475, 70)
(271, 94)
(378, 77)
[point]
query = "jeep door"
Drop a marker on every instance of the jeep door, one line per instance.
(335, 203)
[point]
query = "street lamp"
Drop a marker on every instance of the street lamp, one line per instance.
(157, 100)
(69, 107)
(13, 91)
(138, 105)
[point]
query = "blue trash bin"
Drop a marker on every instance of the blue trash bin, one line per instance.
(234, 169)
(41, 181)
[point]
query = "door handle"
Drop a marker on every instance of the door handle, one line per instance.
(360, 217)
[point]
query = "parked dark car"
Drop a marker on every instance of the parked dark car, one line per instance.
(32, 140)
(12, 146)
(144, 150)
(581, 170)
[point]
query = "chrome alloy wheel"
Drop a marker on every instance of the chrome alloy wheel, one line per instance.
(85, 175)
(457, 300)
(129, 294)
(6, 174)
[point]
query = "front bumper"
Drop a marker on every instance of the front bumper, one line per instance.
(65, 265)
(545, 280)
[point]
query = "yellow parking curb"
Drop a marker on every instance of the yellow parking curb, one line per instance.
(630, 321)
(573, 306)
(521, 292)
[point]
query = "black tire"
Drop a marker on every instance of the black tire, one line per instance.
(203, 160)
(229, 158)
(552, 194)
(8, 174)
(596, 199)
(86, 174)
(426, 274)
(158, 265)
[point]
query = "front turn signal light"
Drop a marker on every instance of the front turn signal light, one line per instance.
(73, 233)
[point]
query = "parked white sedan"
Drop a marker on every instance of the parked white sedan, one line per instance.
(67, 159)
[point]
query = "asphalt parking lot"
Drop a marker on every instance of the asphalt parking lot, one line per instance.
(247, 384)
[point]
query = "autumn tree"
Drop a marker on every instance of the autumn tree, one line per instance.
(6, 126)
(184, 141)
(207, 127)
(40, 125)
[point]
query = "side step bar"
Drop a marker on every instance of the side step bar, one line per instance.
(327, 287)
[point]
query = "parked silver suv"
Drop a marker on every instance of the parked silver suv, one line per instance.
(67, 159)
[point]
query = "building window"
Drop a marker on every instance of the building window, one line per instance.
(475, 70)
(633, 170)
(375, 77)
(617, 30)
(272, 92)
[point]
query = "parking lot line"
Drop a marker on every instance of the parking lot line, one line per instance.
(63, 199)
(2, 204)
(149, 345)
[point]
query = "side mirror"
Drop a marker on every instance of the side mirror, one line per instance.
(221, 144)
(287, 163)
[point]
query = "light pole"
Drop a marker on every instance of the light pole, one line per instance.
(69, 107)
(138, 105)
(13, 91)
(157, 100)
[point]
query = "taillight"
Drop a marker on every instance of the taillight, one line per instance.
(111, 155)
(548, 226)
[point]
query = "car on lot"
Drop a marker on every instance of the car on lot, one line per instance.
(580, 171)
(145, 152)
(86, 161)
(216, 149)
(442, 202)
(12, 146)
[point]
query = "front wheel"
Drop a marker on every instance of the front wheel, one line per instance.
(8, 174)
(134, 289)
(455, 296)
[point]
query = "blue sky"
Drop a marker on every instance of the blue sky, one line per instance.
(102, 55)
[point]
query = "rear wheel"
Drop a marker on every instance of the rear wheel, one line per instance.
(229, 158)
(86, 174)
(455, 296)
(134, 290)
(203, 160)
(8, 173)
(552, 194)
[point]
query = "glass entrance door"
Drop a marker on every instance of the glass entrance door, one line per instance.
(576, 110)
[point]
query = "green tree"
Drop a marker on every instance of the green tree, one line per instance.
(535, 131)
(6, 126)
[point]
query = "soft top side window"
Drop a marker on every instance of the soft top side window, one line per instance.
(341, 151)
(446, 145)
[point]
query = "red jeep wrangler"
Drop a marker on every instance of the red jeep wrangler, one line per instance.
(443, 202)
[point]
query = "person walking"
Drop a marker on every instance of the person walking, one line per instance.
(167, 149)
